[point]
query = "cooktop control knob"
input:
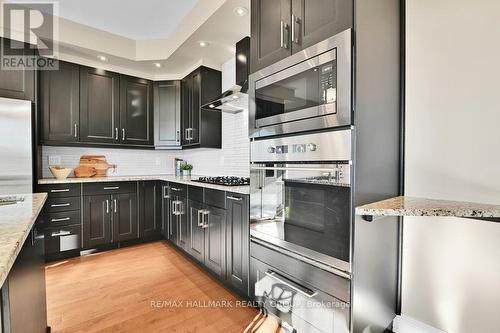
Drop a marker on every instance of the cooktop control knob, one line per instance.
(271, 150)
(312, 147)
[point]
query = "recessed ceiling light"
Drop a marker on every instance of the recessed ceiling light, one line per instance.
(211, 106)
(240, 11)
(157, 64)
(203, 43)
(102, 58)
(235, 97)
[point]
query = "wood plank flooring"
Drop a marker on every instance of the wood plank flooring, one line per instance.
(133, 290)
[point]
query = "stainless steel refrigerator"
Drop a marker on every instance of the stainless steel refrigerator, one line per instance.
(16, 167)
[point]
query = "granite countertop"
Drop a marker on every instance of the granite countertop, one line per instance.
(412, 206)
(189, 180)
(16, 221)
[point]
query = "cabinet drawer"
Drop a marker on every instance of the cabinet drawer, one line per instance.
(62, 204)
(215, 198)
(109, 188)
(60, 190)
(195, 193)
(63, 218)
(330, 283)
(63, 238)
(179, 190)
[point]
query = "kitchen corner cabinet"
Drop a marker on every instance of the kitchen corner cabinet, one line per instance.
(167, 114)
(280, 28)
(21, 82)
(200, 128)
(99, 106)
(149, 208)
(60, 103)
(238, 241)
(136, 111)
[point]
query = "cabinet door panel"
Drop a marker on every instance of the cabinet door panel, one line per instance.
(149, 223)
(96, 220)
(197, 241)
(215, 241)
(167, 113)
(195, 108)
(60, 103)
(183, 232)
(124, 216)
(99, 105)
(266, 30)
(238, 241)
(320, 19)
(185, 109)
(173, 223)
(17, 83)
(136, 118)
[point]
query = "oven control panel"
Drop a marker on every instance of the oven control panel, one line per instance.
(296, 148)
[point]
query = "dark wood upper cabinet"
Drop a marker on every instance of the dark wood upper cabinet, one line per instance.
(317, 20)
(200, 128)
(96, 220)
(19, 83)
(280, 28)
(124, 216)
(60, 103)
(136, 111)
(270, 32)
(99, 106)
(167, 114)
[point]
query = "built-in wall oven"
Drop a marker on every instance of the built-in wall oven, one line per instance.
(307, 91)
(300, 213)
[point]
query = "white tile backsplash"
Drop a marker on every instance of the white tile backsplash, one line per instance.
(231, 160)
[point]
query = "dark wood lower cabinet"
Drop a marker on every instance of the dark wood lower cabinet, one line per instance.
(124, 216)
(96, 220)
(149, 208)
(215, 240)
(197, 241)
(238, 241)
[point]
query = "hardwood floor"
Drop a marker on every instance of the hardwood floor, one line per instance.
(133, 290)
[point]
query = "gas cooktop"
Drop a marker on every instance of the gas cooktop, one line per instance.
(226, 180)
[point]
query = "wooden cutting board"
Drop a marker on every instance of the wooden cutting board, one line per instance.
(85, 172)
(98, 162)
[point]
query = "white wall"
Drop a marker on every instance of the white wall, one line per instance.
(451, 267)
(231, 160)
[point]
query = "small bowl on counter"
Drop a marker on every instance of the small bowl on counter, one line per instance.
(60, 172)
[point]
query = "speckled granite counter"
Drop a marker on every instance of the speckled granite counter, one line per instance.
(169, 178)
(16, 221)
(412, 206)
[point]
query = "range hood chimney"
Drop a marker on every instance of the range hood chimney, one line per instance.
(235, 99)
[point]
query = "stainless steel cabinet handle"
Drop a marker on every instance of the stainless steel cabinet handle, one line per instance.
(60, 220)
(295, 286)
(173, 207)
(295, 20)
(206, 214)
(123, 134)
(186, 134)
(165, 192)
(76, 130)
(175, 189)
(57, 191)
(115, 205)
(234, 198)
(60, 233)
(283, 27)
(177, 133)
(111, 188)
(200, 218)
(107, 206)
(116, 133)
(61, 205)
(181, 207)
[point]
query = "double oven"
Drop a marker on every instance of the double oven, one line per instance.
(300, 187)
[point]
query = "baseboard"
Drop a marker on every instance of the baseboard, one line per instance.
(406, 324)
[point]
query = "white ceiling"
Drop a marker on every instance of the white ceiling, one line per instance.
(134, 19)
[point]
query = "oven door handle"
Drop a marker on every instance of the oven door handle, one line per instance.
(295, 286)
(330, 170)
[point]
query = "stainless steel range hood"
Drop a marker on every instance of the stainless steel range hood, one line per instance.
(231, 101)
(235, 99)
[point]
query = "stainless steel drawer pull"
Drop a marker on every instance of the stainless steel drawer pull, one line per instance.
(58, 191)
(175, 189)
(61, 205)
(76, 130)
(303, 290)
(123, 134)
(107, 206)
(234, 198)
(115, 205)
(60, 233)
(112, 188)
(60, 220)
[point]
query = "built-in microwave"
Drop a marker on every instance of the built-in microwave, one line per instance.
(309, 90)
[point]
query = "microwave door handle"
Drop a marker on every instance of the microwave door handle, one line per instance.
(295, 286)
(292, 169)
